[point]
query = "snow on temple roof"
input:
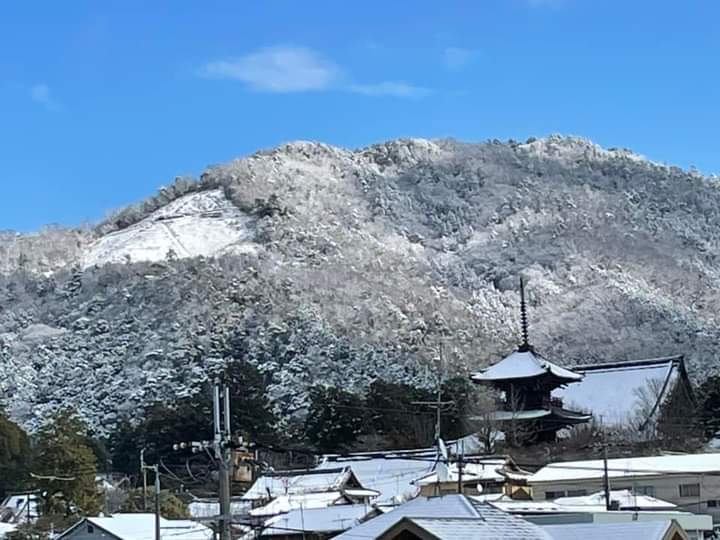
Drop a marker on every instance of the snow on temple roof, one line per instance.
(523, 365)
(317, 520)
(627, 467)
(612, 391)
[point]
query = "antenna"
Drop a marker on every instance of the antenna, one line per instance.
(525, 345)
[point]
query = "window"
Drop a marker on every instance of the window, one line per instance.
(576, 492)
(645, 490)
(554, 494)
(90, 529)
(712, 504)
(689, 490)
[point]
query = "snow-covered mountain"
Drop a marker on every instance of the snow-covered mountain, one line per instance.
(324, 265)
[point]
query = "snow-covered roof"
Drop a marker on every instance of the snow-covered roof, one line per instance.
(318, 520)
(448, 506)
(286, 503)
(625, 498)
(627, 467)
(204, 508)
(472, 472)
(298, 482)
(477, 529)
(24, 507)
(142, 527)
(612, 392)
(392, 476)
(523, 365)
(647, 530)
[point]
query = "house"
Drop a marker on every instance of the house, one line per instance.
(526, 411)
(135, 527)
(390, 473)
(620, 500)
(592, 509)
(491, 522)
(480, 528)
(648, 530)
(282, 491)
(691, 481)
(316, 523)
(480, 474)
(618, 393)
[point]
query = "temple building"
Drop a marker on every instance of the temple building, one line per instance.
(526, 411)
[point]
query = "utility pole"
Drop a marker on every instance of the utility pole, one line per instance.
(157, 502)
(156, 470)
(461, 456)
(144, 475)
(221, 446)
(438, 404)
(606, 479)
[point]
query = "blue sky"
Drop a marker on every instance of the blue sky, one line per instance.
(103, 102)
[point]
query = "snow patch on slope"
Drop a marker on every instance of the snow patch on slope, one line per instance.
(199, 224)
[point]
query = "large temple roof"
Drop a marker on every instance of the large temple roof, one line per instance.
(523, 365)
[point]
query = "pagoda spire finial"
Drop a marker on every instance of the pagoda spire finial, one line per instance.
(525, 345)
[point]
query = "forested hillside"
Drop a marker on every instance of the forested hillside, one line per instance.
(323, 265)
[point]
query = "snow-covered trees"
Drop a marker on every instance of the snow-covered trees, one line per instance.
(363, 261)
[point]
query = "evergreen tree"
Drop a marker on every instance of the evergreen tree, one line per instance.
(14, 456)
(335, 419)
(709, 409)
(65, 467)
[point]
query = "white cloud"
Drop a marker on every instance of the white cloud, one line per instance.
(277, 69)
(40, 93)
(389, 88)
(299, 69)
(456, 58)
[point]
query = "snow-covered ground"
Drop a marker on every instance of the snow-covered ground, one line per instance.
(203, 223)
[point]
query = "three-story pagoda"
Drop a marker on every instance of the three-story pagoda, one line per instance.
(527, 411)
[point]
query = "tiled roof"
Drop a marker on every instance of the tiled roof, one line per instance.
(523, 365)
(612, 391)
(647, 530)
(447, 506)
(318, 520)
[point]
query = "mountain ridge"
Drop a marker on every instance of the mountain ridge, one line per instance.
(337, 266)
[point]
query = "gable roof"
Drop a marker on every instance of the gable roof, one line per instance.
(647, 530)
(611, 391)
(523, 365)
(301, 482)
(627, 467)
(485, 470)
(446, 506)
(391, 474)
(142, 527)
(471, 528)
(331, 519)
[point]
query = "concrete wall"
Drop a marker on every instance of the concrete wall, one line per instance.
(666, 487)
